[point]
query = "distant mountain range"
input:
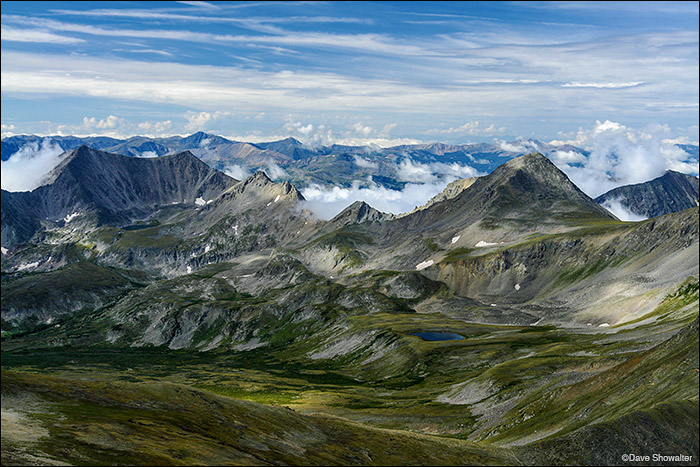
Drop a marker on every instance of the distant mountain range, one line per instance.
(291, 160)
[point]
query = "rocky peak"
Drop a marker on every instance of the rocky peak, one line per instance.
(290, 190)
(671, 192)
(259, 178)
(358, 212)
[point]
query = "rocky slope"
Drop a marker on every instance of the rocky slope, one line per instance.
(672, 192)
(102, 188)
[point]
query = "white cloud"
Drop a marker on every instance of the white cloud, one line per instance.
(327, 202)
(363, 130)
(237, 171)
(34, 35)
(470, 128)
(566, 157)
(198, 4)
(519, 146)
(155, 128)
(149, 154)
(408, 170)
(621, 156)
(274, 171)
(26, 168)
(198, 121)
(603, 85)
(8, 130)
(310, 134)
(615, 206)
(358, 134)
(111, 122)
(364, 163)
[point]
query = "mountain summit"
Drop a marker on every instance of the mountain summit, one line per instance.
(525, 191)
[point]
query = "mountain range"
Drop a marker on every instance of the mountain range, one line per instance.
(334, 165)
(510, 320)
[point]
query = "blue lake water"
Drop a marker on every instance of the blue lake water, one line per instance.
(437, 336)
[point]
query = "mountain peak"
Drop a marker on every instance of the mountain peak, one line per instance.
(259, 177)
(525, 190)
(291, 140)
(671, 192)
(358, 212)
(534, 159)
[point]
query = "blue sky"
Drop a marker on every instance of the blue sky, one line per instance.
(350, 72)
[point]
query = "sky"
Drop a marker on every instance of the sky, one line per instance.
(350, 72)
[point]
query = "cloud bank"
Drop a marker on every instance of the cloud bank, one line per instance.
(621, 212)
(621, 156)
(28, 166)
(327, 202)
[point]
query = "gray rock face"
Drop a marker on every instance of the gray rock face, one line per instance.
(672, 192)
(111, 187)
(358, 212)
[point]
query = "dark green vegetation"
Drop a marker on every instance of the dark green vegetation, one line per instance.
(98, 423)
(162, 336)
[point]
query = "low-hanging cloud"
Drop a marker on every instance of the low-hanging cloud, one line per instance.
(237, 171)
(327, 202)
(520, 146)
(26, 168)
(408, 170)
(622, 156)
(274, 171)
(616, 207)
(365, 163)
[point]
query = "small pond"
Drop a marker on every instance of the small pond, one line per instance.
(437, 336)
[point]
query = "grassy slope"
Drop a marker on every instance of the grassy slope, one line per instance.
(126, 423)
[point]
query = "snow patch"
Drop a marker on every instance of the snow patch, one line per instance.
(4, 250)
(189, 269)
(483, 244)
(493, 304)
(517, 286)
(210, 201)
(455, 239)
(276, 199)
(207, 248)
(235, 230)
(604, 325)
(28, 266)
(70, 217)
(424, 264)
(200, 202)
